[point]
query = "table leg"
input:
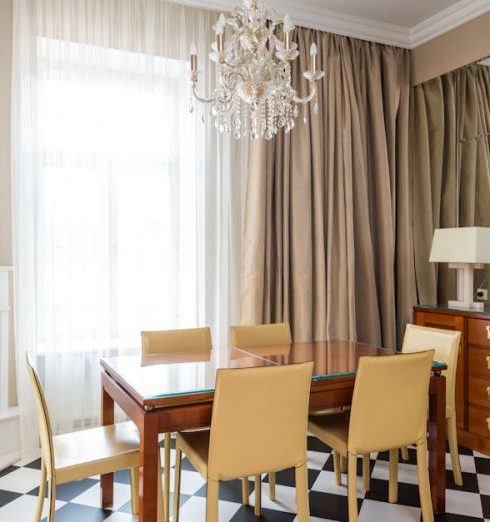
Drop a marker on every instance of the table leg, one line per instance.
(437, 442)
(149, 469)
(107, 480)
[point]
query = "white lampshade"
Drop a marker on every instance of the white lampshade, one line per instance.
(461, 245)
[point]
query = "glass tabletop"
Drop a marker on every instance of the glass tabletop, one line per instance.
(174, 374)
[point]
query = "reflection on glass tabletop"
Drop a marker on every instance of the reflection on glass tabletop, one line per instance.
(175, 374)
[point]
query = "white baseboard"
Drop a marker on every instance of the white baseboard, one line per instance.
(10, 437)
(8, 460)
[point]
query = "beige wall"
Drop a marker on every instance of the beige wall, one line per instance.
(465, 44)
(5, 180)
(5, 77)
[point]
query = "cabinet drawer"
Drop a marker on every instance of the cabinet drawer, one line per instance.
(479, 332)
(478, 421)
(435, 320)
(479, 392)
(479, 363)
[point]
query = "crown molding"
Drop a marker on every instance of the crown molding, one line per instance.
(446, 20)
(308, 15)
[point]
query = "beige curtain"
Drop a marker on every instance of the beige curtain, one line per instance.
(327, 228)
(451, 166)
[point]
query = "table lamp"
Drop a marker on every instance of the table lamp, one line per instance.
(465, 249)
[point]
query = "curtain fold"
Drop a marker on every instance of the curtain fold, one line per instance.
(451, 166)
(327, 233)
(126, 206)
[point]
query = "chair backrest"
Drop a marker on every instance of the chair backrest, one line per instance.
(171, 341)
(445, 344)
(390, 402)
(259, 421)
(260, 335)
(46, 434)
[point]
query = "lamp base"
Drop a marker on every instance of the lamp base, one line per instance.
(474, 307)
(465, 287)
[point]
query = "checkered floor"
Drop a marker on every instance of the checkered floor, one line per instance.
(79, 501)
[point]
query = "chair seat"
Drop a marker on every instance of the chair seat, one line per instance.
(195, 446)
(96, 451)
(332, 429)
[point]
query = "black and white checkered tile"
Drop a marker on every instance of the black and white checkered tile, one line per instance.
(79, 501)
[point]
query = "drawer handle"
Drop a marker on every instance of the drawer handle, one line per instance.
(488, 332)
(488, 393)
(488, 361)
(488, 423)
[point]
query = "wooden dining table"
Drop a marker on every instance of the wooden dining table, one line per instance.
(174, 392)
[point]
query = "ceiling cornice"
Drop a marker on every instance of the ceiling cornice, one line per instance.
(308, 15)
(450, 18)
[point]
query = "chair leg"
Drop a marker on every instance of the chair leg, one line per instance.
(166, 478)
(178, 464)
(134, 478)
(336, 468)
(366, 471)
(245, 491)
(452, 436)
(352, 486)
(393, 484)
(404, 452)
(424, 485)
(212, 501)
(272, 486)
(302, 501)
(42, 492)
(52, 499)
(343, 464)
(258, 495)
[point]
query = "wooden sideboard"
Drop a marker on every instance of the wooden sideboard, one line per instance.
(473, 375)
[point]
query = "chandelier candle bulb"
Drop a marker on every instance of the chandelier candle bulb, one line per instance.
(220, 31)
(313, 54)
(193, 53)
(288, 27)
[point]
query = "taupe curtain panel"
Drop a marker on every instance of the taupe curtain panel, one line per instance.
(451, 168)
(327, 227)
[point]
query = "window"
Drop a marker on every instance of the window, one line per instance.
(120, 198)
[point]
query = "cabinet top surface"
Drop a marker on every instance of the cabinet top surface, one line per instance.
(445, 309)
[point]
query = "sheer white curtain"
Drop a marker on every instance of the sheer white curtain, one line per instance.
(126, 206)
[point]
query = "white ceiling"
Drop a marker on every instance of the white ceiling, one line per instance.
(405, 13)
(405, 23)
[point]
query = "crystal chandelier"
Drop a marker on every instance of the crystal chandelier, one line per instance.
(253, 94)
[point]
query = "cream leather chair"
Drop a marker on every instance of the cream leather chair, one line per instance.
(252, 433)
(192, 340)
(391, 392)
(446, 344)
(249, 336)
(79, 455)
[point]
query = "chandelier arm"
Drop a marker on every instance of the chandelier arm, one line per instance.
(308, 98)
(233, 71)
(201, 98)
